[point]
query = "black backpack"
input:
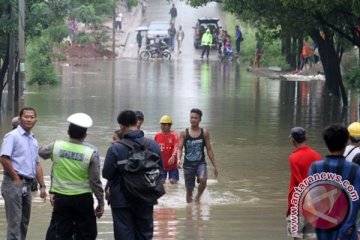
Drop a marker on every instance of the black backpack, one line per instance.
(140, 173)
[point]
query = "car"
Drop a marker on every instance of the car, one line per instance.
(200, 28)
(158, 28)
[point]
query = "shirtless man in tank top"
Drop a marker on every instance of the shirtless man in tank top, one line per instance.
(195, 139)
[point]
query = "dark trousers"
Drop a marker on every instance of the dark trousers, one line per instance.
(74, 215)
(237, 44)
(134, 222)
(206, 48)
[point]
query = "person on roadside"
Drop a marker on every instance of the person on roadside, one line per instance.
(173, 14)
(195, 139)
(353, 149)
(118, 22)
(258, 51)
(168, 141)
(21, 165)
(75, 176)
(299, 161)
(131, 220)
(72, 28)
(139, 41)
(206, 42)
(172, 35)
(139, 119)
(238, 39)
(180, 35)
(339, 216)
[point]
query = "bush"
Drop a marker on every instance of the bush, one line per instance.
(38, 60)
(352, 77)
(83, 38)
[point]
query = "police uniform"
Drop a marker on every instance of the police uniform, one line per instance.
(75, 176)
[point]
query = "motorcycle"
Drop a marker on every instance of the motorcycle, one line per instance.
(155, 52)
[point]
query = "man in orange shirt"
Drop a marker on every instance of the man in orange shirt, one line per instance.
(168, 142)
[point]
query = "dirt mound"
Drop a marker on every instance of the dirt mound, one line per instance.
(87, 51)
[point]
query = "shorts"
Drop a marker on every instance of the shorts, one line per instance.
(305, 229)
(173, 174)
(191, 172)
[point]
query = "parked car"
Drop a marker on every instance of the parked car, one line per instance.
(200, 28)
(158, 28)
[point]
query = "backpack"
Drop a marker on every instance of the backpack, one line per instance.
(140, 173)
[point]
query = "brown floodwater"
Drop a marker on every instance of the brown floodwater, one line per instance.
(248, 118)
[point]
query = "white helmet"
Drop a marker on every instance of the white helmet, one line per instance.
(80, 119)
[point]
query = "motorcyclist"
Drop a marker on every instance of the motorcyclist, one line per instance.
(159, 44)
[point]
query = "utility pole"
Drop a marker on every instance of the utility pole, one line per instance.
(21, 69)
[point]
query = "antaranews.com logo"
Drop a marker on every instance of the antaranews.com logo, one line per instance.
(323, 199)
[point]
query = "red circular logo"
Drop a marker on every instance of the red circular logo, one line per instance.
(324, 205)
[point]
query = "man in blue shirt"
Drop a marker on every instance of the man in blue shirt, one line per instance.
(238, 39)
(335, 179)
(131, 220)
(21, 166)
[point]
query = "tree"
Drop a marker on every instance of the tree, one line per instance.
(296, 18)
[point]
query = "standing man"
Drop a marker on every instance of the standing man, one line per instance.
(195, 139)
(238, 39)
(172, 34)
(300, 160)
(338, 217)
(118, 21)
(206, 42)
(21, 167)
(139, 41)
(173, 14)
(180, 35)
(168, 142)
(75, 175)
(131, 220)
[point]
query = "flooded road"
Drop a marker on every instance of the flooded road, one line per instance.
(249, 119)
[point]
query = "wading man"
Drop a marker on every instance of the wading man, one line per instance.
(300, 160)
(195, 139)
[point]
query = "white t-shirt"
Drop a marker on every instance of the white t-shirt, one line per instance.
(352, 153)
(119, 17)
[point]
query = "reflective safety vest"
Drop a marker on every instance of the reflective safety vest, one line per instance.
(206, 39)
(70, 171)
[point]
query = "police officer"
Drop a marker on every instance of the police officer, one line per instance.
(206, 42)
(75, 176)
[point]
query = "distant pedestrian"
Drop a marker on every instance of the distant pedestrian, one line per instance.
(72, 27)
(173, 14)
(180, 35)
(299, 161)
(195, 139)
(206, 42)
(258, 51)
(75, 177)
(168, 141)
(118, 22)
(238, 38)
(21, 165)
(143, 6)
(139, 41)
(331, 205)
(172, 35)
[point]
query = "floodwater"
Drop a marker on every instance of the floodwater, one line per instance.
(248, 117)
(249, 120)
